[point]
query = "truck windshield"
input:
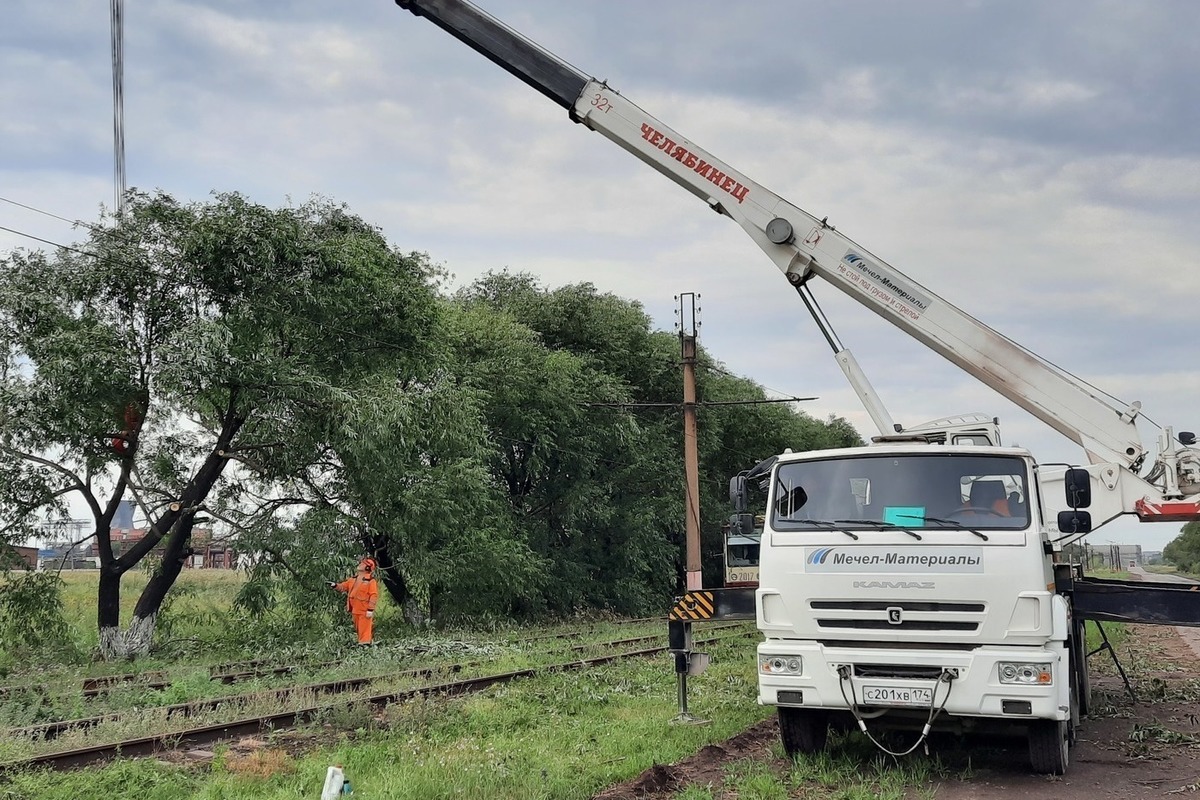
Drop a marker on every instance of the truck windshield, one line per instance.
(933, 491)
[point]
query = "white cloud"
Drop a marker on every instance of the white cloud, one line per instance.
(1018, 95)
(1047, 190)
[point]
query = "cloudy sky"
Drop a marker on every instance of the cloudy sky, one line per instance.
(1036, 163)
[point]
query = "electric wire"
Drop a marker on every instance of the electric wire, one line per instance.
(672, 365)
(383, 344)
(334, 328)
(852, 703)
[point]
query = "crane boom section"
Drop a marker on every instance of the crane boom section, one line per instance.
(802, 246)
(504, 47)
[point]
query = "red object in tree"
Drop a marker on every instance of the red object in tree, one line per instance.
(133, 418)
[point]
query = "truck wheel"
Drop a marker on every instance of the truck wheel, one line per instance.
(803, 730)
(1048, 747)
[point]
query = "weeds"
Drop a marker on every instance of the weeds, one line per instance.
(260, 764)
(33, 628)
(754, 780)
(853, 768)
(1161, 735)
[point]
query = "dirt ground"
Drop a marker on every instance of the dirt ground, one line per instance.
(1147, 748)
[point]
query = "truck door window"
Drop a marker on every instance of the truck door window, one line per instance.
(791, 500)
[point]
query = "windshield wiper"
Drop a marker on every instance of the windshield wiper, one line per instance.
(890, 526)
(822, 523)
(956, 524)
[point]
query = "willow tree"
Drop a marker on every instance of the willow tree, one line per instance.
(584, 410)
(178, 347)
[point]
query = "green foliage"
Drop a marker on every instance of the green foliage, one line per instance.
(585, 482)
(32, 623)
(508, 452)
(1184, 550)
(581, 404)
(210, 347)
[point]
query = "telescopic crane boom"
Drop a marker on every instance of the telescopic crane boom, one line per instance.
(802, 247)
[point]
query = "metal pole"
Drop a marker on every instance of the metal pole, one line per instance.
(683, 704)
(118, 75)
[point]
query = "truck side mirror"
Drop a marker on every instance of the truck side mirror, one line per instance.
(742, 524)
(1074, 522)
(1078, 485)
(737, 492)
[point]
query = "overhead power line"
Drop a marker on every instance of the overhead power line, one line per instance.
(703, 403)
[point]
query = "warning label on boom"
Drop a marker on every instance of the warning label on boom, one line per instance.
(883, 285)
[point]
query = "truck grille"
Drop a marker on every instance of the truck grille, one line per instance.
(897, 671)
(900, 615)
(907, 605)
(884, 625)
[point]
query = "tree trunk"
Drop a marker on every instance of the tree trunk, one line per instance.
(108, 612)
(388, 572)
(174, 530)
(137, 639)
(114, 643)
(129, 644)
(414, 614)
(174, 555)
(386, 568)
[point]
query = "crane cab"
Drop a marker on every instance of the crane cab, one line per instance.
(741, 556)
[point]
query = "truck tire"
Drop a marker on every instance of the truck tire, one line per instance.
(803, 730)
(1049, 751)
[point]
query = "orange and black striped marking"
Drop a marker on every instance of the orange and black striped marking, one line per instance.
(692, 606)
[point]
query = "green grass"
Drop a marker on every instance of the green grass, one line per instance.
(853, 769)
(387, 666)
(564, 735)
(196, 618)
(202, 595)
(558, 735)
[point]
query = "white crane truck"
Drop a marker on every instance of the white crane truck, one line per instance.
(918, 582)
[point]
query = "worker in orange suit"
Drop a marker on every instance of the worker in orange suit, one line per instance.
(362, 593)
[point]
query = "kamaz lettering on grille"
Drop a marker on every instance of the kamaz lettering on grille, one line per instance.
(894, 585)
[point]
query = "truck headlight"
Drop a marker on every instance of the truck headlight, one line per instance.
(780, 665)
(1026, 673)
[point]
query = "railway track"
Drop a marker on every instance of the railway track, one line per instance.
(237, 671)
(96, 688)
(254, 725)
(241, 670)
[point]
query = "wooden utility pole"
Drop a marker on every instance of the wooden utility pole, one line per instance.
(688, 327)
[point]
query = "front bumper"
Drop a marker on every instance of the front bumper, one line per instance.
(834, 677)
